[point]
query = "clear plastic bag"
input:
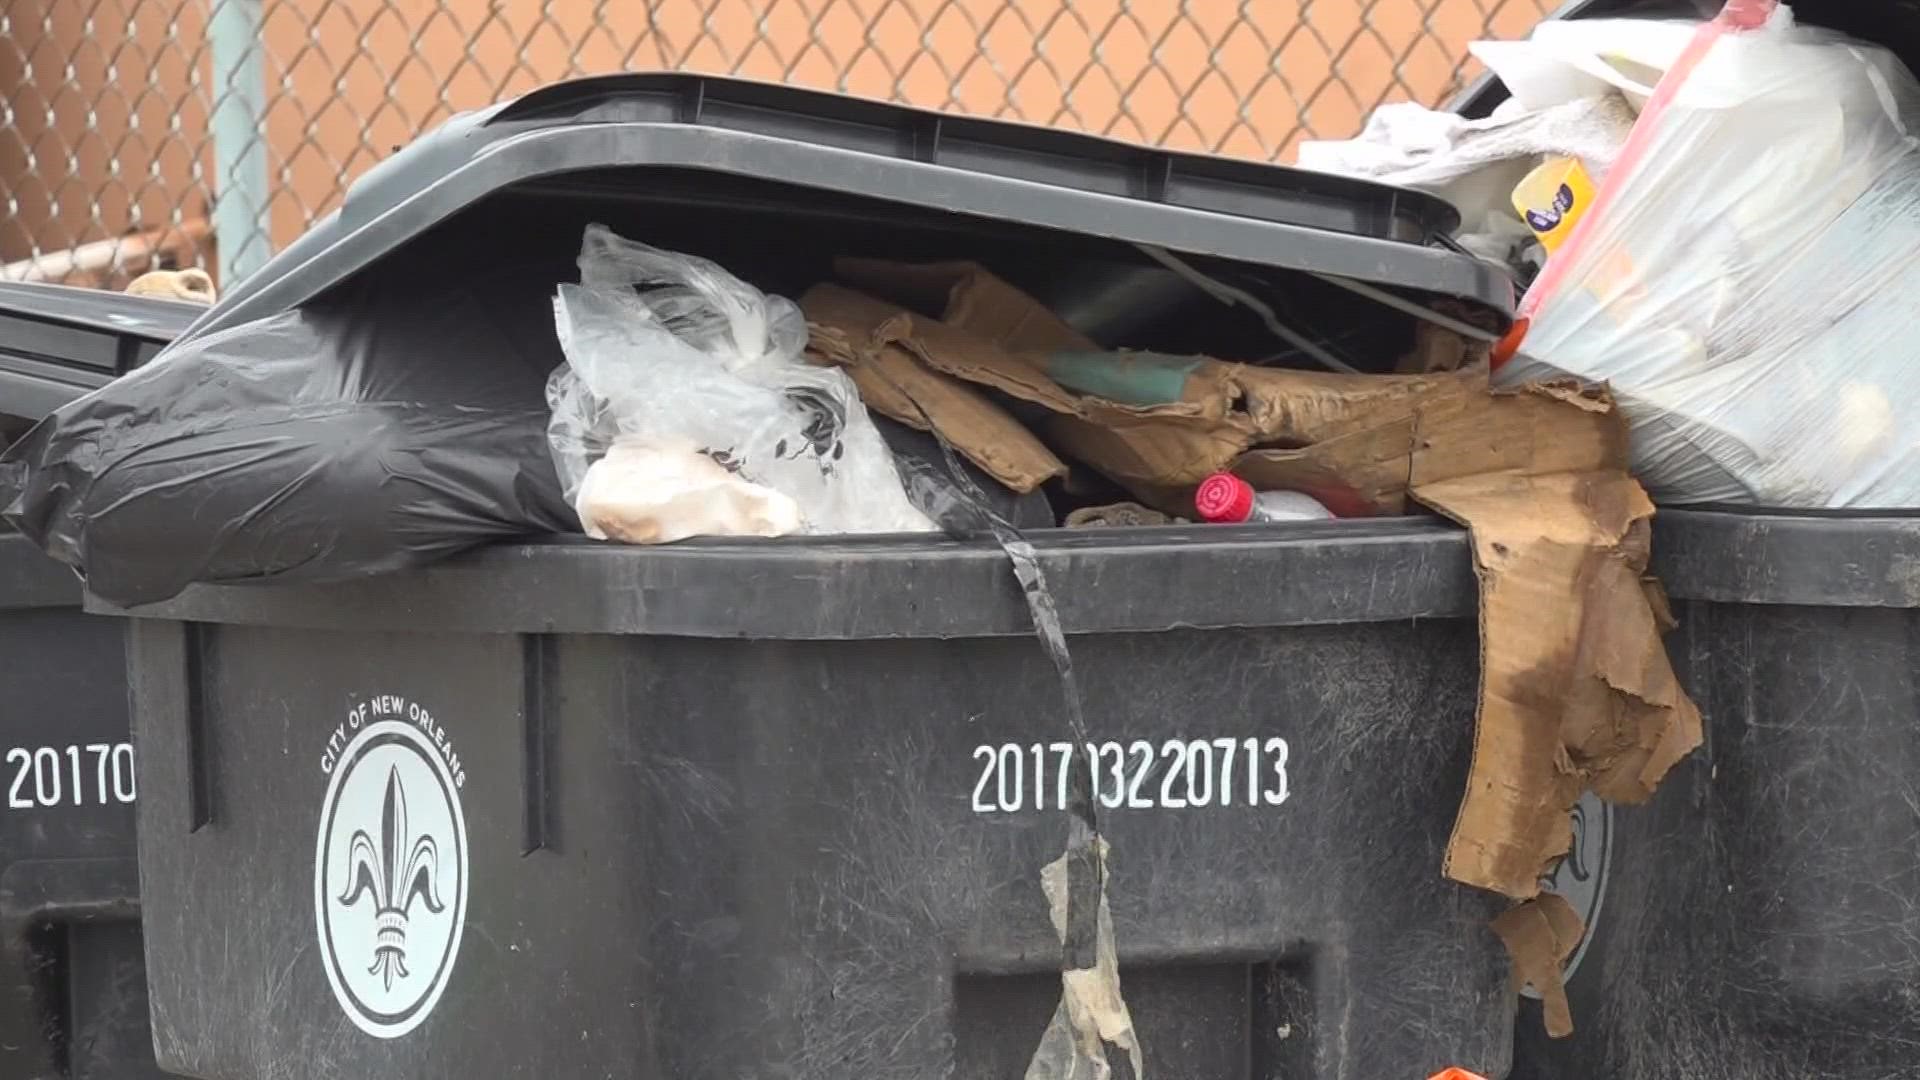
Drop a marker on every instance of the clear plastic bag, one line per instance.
(668, 348)
(1744, 280)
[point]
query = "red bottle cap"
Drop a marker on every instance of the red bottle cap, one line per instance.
(1508, 344)
(1224, 498)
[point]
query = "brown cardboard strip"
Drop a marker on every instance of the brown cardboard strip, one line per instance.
(894, 383)
(1539, 936)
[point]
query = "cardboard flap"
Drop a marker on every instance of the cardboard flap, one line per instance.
(947, 349)
(1534, 430)
(1300, 408)
(1360, 474)
(967, 295)
(1576, 688)
(1539, 936)
(894, 383)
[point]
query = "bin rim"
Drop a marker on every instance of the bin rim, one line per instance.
(978, 168)
(149, 318)
(29, 579)
(918, 586)
(58, 342)
(913, 586)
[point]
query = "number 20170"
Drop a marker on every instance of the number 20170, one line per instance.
(1191, 774)
(97, 774)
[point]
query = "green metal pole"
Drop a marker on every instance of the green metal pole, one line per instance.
(240, 213)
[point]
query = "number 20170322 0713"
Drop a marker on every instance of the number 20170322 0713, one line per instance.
(1177, 774)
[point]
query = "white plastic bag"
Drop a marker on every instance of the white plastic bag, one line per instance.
(667, 349)
(1745, 279)
(1570, 59)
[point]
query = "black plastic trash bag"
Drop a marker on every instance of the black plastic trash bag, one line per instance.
(375, 430)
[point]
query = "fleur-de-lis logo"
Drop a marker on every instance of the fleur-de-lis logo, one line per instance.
(394, 870)
(1580, 878)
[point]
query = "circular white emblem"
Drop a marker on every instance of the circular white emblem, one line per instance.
(390, 878)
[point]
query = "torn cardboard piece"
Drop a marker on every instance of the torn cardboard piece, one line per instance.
(1116, 516)
(1162, 424)
(1155, 424)
(1360, 474)
(1539, 935)
(894, 383)
(968, 296)
(1440, 348)
(1576, 691)
(869, 324)
(1092, 1021)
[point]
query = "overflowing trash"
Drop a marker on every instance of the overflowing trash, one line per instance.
(1743, 280)
(1575, 92)
(1478, 164)
(1539, 476)
(1724, 206)
(311, 446)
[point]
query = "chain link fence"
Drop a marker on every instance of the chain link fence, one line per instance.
(137, 134)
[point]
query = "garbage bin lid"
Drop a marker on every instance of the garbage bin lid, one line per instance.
(1254, 213)
(57, 343)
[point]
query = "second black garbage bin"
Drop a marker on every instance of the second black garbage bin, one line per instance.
(1760, 918)
(73, 994)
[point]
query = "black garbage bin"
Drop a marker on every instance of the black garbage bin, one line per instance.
(738, 809)
(73, 995)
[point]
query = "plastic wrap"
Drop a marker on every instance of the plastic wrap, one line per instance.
(1744, 280)
(669, 348)
(377, 430)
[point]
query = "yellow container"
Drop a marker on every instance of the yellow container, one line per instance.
(1552, 198)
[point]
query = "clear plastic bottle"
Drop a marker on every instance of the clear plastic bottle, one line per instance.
(1225, 499)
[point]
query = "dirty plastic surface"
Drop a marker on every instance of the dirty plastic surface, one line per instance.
(73, 1001)
(807, 841)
